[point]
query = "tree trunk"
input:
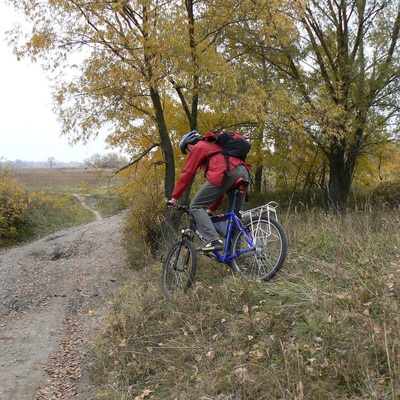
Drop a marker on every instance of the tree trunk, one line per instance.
(341, 171)
(338, 186)
(166, 145)
(258, 179)
(171, 220)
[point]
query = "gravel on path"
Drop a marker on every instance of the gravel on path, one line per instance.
(54, 295)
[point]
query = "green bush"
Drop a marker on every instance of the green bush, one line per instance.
(145, 217)
(14, 203)
(26, 216)
(48, 213)
(107, 204)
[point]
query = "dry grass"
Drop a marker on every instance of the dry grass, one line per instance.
(56, 178)
(52, 203)
(326, 328)
(64, 179)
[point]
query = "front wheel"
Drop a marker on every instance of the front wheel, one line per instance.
(269, 253)
(179, 268)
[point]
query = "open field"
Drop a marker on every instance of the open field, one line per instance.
(65, 179)
(58, 198)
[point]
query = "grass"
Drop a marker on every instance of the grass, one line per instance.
(60, 180)
(51, 213)
(53, 204)
(99, 187)
(326, 327)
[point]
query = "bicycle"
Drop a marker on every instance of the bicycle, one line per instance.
(255, 245)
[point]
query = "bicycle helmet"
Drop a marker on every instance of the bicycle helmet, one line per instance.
(189, 138)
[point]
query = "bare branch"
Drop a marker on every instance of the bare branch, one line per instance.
(137, 159)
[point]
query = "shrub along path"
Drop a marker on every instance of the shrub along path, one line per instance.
(54, 295)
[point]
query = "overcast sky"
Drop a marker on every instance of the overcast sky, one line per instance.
(29, 130)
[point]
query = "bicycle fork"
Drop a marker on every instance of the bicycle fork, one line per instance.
(175, 266)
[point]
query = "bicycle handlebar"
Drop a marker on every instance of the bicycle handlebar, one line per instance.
(177, 206)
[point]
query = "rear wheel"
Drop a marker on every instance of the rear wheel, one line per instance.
(269, 253)
(179, 268)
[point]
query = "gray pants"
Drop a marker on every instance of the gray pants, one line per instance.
(207, 194)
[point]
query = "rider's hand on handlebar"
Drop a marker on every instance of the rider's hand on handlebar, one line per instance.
(172, 202)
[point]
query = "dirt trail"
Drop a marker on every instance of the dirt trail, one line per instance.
(54, 295)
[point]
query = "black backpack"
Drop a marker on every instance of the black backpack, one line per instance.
(233, 145)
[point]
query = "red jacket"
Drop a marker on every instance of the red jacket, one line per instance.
(196, 158)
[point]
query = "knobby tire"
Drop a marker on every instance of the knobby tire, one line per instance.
(179, 268)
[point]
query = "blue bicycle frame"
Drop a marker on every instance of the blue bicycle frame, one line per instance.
(234, 221)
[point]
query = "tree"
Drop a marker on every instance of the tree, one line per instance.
(51, 161)
(142, 62)
(321, 75)
(347, 72)
(338, 63)
(110, 160)
(261, 103)
(139, 73)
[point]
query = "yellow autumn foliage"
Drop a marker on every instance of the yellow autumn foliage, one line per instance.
(14, 202)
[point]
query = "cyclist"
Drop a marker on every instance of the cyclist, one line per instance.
(208, 156)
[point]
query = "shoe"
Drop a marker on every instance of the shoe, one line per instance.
(214, 245)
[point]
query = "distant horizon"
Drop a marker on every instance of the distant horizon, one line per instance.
(108, 160)
(55, 161)
(28, 163)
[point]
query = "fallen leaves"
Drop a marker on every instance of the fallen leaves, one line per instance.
(144, 394)
(65, 368)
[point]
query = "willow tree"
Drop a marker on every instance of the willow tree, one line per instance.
(137, 71)
(347, 74)
(116, 81)
(136, 63)
(338, 61)
(248, 90)
(255, 42)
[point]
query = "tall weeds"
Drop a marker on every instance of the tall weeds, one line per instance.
(327, 327)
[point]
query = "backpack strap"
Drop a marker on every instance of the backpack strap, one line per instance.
(228, 166)
(207, 162)
(209, 137)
